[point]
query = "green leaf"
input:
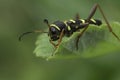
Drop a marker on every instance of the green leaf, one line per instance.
(96, 41)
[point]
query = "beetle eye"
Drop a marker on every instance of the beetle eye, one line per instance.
(53, 32)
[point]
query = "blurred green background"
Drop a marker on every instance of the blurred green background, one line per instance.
(17, 61)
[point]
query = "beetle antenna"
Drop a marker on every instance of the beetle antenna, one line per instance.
(77, 16)
(46, 21)
(36, 31)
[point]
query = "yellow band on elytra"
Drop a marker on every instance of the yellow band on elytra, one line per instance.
(83, 21)
(72, 20)
(67, 26)
(93, 20)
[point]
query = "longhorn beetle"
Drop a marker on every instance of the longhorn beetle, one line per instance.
(58, 29)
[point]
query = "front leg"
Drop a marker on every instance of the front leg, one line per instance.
(59, 40)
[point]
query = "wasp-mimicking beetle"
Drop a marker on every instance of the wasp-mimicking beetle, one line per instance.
(58, 29)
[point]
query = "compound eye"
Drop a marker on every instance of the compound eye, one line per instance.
(53, 31)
